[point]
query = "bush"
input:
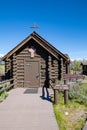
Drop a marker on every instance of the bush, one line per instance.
(78, 92)
(3, 96)
(74, 91)
(83, 99)
(83, 89)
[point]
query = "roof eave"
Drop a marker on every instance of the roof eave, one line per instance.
(32, 36)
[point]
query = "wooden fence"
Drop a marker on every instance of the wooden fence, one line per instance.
(72, 77)
(6, 85)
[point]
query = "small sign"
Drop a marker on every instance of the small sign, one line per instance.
(61, 87)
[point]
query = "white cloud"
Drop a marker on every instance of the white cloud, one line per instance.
(1, 55)
(78, 59)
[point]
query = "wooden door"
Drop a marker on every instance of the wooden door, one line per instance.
(32, 75)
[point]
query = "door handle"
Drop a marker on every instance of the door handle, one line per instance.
(37, 76)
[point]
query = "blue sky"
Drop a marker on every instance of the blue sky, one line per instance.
(63, 23)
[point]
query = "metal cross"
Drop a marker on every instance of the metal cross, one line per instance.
(34, 27)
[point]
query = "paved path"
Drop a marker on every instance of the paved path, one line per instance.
(24, 111)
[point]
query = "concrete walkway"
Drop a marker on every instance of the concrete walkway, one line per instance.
(24, 111)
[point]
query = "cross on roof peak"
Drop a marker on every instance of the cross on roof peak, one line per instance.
(34, 27)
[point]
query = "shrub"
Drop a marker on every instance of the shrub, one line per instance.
(3, 96)
(74, 91)
(78, 92)
(83, 99)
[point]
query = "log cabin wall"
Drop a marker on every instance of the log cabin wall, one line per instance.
(53, 68)
(14, 68)
(43, 56)
(61, 68)
(50, 67)
(21, 55)
(64, 69)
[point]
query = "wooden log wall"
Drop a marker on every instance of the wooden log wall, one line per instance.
(42, 71)
(20, 72)
(14, 70)
(20, 66)
(61, 69)
(50, 67)
(64, 69)
(53, 69)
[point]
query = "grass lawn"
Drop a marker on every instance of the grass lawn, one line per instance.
(72, 116)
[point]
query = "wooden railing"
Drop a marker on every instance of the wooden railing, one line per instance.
(6, 85)
(72, 77)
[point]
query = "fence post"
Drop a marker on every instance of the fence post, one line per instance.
(55, 96)
(65, 96)
(65, 81)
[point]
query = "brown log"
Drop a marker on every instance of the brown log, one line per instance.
(65, 96)
(55, 96)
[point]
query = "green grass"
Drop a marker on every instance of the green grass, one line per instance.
(84, 88)
(75, 118)
(3, 96)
